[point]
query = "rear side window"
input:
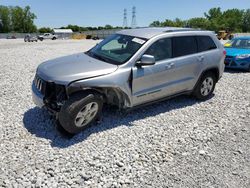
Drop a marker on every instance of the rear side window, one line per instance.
(184, 46)
(205, 43)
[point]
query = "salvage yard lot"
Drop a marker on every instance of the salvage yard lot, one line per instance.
(177, 143)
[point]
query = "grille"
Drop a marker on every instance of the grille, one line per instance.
(40, 84)
(228, 60)
(233, 63)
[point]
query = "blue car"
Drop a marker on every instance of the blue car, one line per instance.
(238, 53)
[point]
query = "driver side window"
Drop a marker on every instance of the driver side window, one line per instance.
(161, 49)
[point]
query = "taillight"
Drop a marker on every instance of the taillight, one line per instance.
(224, 52)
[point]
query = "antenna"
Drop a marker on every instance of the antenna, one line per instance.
(133, 23)
(125, 21)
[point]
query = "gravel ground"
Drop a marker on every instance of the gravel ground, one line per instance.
(177, 143)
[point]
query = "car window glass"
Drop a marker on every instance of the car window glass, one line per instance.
(114, 45)
(117, 49)
(184, 46)
(205, 43)
(161, 49)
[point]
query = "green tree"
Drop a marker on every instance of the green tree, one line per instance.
(215, 19)
(22, 20)
(168, 23)
(233, 19)
(44, 30)
(28, 20)
(155, 24)
(246, 21)
(108, 27)
(213, 13)
(5, 19)
(201, 23)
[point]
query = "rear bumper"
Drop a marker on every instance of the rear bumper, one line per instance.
(37, 96)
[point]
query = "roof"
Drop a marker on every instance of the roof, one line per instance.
(62, 31)
(243, 37)
(150, 32)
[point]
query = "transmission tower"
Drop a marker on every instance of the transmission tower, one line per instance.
(133, 23)
(125, 20)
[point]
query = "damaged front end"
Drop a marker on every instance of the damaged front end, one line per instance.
(53, 95)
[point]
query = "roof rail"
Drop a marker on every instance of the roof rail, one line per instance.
(180, 30)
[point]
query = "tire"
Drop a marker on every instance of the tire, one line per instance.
(54, 38)
(205, 86)
(87, 104)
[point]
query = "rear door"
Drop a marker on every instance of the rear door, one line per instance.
(187, 63)
(210, 55)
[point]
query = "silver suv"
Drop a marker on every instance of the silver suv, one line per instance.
(128, 69)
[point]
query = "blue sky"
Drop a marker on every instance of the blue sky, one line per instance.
(57, 13)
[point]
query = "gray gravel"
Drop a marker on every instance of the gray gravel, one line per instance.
(177, 143)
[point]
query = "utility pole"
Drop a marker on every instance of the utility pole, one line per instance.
(133, 23)
(125, 20)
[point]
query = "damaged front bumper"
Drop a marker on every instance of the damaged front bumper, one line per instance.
(37, 96)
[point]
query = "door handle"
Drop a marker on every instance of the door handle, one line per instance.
(201, 58)
(169, 65)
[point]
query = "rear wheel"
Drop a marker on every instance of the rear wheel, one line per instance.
(80, 111)
(205, 86)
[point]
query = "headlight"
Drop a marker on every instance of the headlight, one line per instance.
(243, 56)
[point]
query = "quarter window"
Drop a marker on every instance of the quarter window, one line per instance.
(184, 46)
(205, 43)
(161, 49)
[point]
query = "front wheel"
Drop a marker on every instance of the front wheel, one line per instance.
(205, 87)
(80, 111)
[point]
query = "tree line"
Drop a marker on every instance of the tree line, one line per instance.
(234, 20)
(21, 20)
(16, 19)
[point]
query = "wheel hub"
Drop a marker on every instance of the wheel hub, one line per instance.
(207, 86)
(86, 114)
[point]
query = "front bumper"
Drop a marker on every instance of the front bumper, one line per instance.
(37, 96)
(232, 62)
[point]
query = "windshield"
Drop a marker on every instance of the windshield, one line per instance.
(116, 49)
(238, 43)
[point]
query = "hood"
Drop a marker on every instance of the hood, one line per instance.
(237, 51)
(73, 67)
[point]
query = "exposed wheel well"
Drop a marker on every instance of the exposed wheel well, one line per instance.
(111, 96)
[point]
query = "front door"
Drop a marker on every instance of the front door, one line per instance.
(149, 81)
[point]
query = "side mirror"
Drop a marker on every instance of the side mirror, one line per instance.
(146, 60)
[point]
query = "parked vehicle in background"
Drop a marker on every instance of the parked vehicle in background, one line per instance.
(129, 69)
(29, 38)
(11, 37)
(225, 35)
(238, 53)
(47, 36)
